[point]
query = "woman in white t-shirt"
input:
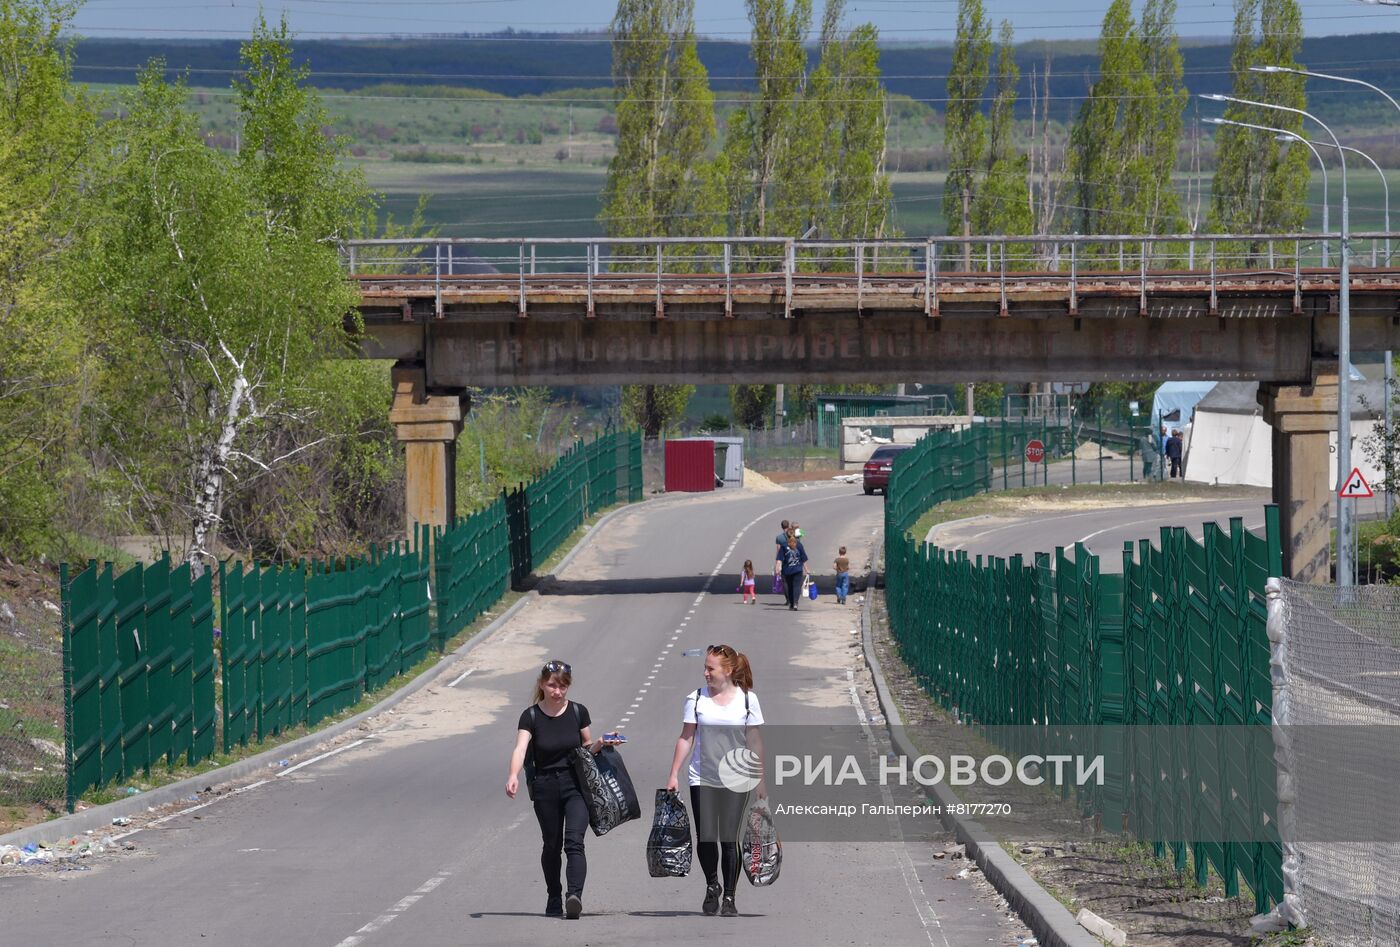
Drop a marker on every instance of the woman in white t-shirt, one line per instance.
(720, 739)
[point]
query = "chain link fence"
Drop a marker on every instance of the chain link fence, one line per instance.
(31, 709)
(1336, 669)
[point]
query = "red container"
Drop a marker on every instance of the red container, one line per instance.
(690, 466)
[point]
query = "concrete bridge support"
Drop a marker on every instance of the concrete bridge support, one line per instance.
(427, 424)
(1302, 418)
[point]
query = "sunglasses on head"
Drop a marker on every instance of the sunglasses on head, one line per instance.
(556, 667)
(723, 649)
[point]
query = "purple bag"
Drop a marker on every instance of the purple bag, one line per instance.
(777, 585)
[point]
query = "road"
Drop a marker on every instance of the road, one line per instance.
(1102, 530)
(407, 837)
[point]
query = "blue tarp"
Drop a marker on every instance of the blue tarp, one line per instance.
(1174, 401)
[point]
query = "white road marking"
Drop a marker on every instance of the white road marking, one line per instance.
(383, 920)
(465, 674)
(242, 789)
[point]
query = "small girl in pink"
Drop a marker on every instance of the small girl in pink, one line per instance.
(746, 583)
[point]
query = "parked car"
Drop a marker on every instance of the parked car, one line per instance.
(877, 468)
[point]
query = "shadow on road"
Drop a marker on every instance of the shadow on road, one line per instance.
(551, 585)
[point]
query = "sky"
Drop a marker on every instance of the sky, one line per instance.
(927, 20)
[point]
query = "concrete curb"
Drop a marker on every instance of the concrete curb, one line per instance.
(933, 530)
(98, 817)
(1047, 918)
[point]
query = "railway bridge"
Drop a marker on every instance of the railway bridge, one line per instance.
(454, 312)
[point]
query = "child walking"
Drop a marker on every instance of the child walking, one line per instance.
(843, 576)
(746, 583)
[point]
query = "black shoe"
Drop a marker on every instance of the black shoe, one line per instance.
(727, 909)
(573, 907)
(711, 905)
(554, 907)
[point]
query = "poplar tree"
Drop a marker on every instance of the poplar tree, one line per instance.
(761, 133)
(1122, 148)
(660, 182)
(1003, 204)
(964, 125)
(832, 174)
(1260, 186)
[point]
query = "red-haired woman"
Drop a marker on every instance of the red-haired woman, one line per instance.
(720, 739)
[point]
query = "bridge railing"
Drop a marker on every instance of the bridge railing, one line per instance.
(951, 257)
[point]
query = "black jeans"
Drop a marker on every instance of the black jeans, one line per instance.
(563, 818)
(719, 817)
(792, 588)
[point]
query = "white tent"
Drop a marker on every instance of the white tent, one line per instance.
(1230, 443)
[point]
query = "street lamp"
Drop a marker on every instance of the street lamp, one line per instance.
(1346, 526)
(1326, 229)
(1389, 360)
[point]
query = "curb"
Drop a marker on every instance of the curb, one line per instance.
(933, 530)
(1047, 918)
(99, 817)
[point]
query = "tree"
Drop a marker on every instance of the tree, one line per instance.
(964, 125)
(760, 133)
(1003, 200)
(1123, 147)
(48, 129)
(223, 288)
(751, 405)
(655, 408)
(660, 182)
(1261, 186)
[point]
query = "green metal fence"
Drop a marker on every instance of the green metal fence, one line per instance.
(1176, 640)
(138, 661)
(298, 641)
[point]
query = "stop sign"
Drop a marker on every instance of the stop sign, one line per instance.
(1035, 451)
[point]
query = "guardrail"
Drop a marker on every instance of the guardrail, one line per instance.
(985, 263)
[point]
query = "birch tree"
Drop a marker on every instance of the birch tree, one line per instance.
(223, 287)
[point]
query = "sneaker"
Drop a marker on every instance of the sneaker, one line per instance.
(728, 909)
(573, 907)
(711, 905)
(554, 907)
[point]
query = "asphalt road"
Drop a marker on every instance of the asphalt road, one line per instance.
(1102, 531)
(407, 836)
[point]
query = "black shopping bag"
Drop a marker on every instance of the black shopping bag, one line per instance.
(668, 845)
(607, 789)
(760, 848)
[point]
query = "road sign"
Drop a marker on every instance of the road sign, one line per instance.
(1035, 451)
(1356, 487)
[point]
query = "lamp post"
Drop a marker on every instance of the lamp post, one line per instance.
(1346, 526)
(1389, 359)
(1326, 229)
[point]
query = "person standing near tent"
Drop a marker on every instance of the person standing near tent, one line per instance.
(1150, 450)
(1173, 452)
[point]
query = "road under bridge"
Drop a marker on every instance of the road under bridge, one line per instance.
(454, 313)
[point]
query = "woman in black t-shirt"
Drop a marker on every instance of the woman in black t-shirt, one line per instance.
(549, 729)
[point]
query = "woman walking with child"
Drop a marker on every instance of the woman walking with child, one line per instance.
(792, 563)
(719, 723)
